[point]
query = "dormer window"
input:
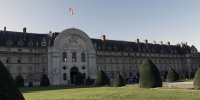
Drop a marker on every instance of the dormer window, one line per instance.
(20, 43)
(9, 42)
(30, 43)
(43, 43)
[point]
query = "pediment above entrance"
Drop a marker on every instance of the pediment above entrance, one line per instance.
(73, 39)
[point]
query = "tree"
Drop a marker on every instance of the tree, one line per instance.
(172, 75)
(196, 82)
(101, 79)
(44, 81)
(192, 74)
(149, 75)
(19, 80)
(119, 81)
(165, 75)
(8, 88)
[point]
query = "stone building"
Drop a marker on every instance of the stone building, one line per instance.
(62, 55)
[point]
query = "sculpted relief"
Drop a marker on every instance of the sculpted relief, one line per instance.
(73, 42)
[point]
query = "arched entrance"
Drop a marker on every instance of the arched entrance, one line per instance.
(73, 73)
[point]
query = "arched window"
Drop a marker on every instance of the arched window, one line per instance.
(83, 57)
(74, 59)
(64, 56)
(64, 76)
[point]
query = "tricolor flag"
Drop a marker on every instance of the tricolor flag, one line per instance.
(71, 11)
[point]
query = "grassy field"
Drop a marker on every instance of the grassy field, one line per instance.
(109, 93)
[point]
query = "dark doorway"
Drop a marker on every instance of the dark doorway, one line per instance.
(73, 73)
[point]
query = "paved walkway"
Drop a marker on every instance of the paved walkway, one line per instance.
(178, 84)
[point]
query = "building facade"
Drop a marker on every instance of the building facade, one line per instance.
(63, 55)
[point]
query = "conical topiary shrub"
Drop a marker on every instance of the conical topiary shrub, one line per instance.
(196, 82)
(101, 79)
(19, 80)
(44, 81)
(119, 81)
(8, 88)
(172, 75)
(149, 75)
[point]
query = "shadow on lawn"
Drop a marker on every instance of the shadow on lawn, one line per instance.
(33, 89)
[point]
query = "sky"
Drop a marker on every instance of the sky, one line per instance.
(175, 21)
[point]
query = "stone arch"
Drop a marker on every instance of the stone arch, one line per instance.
(73, 73)
(73, 31)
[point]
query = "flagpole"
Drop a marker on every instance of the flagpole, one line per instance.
(72, 18)
(71, 12)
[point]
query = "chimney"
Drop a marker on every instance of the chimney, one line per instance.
(24, 30)
(168, 43)
(103, 37)
(146, 41)
(154, 42)
(161, 42)
(4, 28)
(138, 41)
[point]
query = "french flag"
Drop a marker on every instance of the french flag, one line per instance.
(71, 11)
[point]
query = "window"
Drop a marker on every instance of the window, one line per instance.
(64, 68)
(19, 68)
(43, 59)
(30, 68)
(83, 57)
(64, 76)
(8, 60)
(30, 59)
(74, 59)
(19, 50)
(64, 56)
(19, 60)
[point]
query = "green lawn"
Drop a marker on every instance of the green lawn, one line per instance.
(108, 93)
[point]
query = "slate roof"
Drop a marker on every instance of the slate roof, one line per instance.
(10, 38)
(127, 46)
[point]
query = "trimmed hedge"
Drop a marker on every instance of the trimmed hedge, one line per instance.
(19, 81)
(8, 88)
(89, 81)
(172, 75)
(149, 75)
(44, 81)
(119, 81)
(79, 80)
(101, 79)
(192, 74)
(196, 82)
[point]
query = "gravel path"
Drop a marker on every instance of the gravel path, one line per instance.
(178, 84)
